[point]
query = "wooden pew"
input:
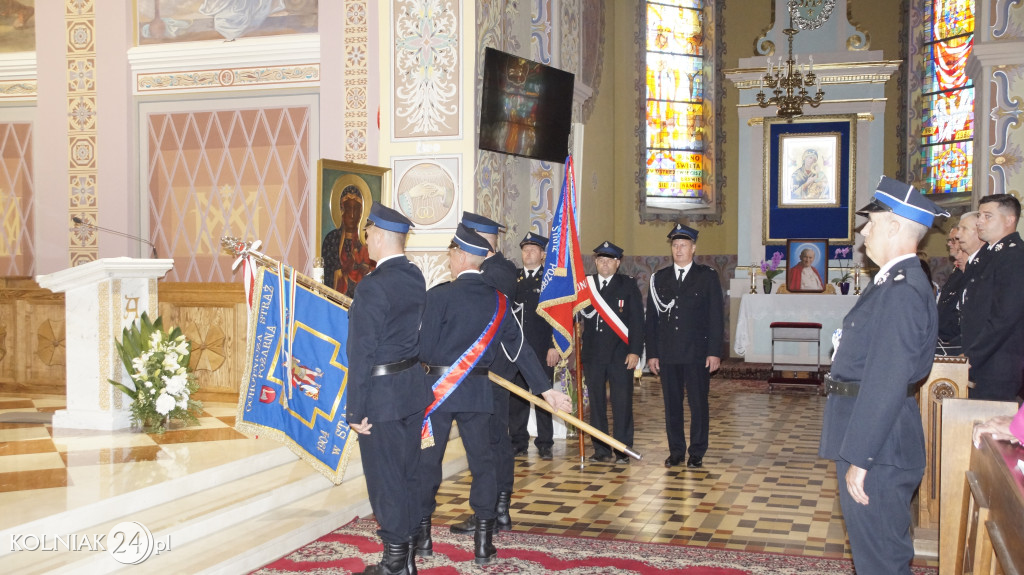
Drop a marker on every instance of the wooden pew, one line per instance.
(992, 528)
(958, 419)
(948, 380)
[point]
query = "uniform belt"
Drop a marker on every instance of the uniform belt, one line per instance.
(851, 388)
(390, 368)
(440, 369)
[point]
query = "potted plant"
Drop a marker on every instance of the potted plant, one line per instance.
(158, 364)
(770, 269)
(843, 281)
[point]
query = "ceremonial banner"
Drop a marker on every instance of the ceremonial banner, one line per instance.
(295, 376)
(564, 290)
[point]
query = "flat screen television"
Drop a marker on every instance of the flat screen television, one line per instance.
(525, 108)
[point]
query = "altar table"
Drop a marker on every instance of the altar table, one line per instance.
(758, 311)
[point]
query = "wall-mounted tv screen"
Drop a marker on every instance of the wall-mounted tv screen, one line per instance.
(526, 108)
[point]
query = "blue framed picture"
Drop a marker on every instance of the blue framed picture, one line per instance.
(809, 178)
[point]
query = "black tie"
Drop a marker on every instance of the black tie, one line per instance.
(681, 272)
(604, 284)
(531, 274)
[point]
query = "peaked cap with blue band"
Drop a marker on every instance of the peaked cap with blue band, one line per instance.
(388, 219)
(480, 223)
(904, 200)
(535, 239)
(681, 231)
(608, 249)
(471, 242)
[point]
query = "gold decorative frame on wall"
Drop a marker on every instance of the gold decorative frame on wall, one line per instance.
(335, 179)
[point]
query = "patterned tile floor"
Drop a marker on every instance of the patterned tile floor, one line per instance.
(762, 487)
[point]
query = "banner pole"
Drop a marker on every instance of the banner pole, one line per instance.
(563, 415)
(578, 345)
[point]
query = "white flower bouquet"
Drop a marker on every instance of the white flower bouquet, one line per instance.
(158, 364)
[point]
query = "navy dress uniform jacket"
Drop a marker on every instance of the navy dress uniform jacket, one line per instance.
(693, 328)
(500, 273)
(992, 321)
(536, 329)
(460, 310)
(949, 309)
(384, 319)
(601, 345)
(887, 344)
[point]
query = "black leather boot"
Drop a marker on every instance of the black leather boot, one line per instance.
(482, 546)
(424, 546)
(394, 562)
(503, 522)
(410, 563)
(465, 527)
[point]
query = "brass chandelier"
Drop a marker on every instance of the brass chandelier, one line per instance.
(789, 84)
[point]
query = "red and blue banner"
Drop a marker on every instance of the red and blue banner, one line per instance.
(564, 290)
(296, 373)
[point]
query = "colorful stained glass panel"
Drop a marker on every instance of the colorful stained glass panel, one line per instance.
(674, 174)
(675, 93)
(675, 126)
(674, 78)
(947, 65)
(952, 18)
(950, 167)
(695, 4)
(674, 30)
(947, 128)
(948, 116)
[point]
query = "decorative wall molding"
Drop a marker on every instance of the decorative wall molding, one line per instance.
(18, 76)
(259, 62)
(233, 78)
(427, 75)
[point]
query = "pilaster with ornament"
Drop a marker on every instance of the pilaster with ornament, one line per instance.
(356, 80)
(80, 22)
(996, 65)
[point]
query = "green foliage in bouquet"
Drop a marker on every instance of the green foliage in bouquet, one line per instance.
(157, 363)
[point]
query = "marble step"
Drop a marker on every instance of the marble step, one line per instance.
(189, 506)
(111, 503)
(277, 533)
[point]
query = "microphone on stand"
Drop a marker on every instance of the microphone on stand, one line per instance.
(79, 221)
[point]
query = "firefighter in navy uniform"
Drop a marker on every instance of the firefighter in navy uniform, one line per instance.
(461, 320)
(539, 335)
(606, 357)
(499, 273)
(685, 330)
(948, 301)
(872, 424)
(386, 390)
(992, 321)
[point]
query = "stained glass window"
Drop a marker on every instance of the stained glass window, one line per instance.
(947, 130)
(675, 94)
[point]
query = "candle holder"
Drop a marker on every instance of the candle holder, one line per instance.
(856, 278)
(753, 278)
(318, 269)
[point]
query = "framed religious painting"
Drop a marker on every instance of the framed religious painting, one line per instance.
(809, 182)
(810, 170)
(345, 192)
(806, 265)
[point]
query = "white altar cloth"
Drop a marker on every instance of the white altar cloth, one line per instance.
(758, 311)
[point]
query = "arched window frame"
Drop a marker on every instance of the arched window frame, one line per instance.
(712, 171)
